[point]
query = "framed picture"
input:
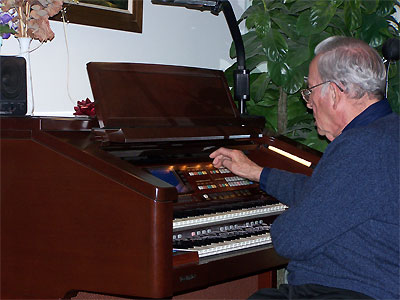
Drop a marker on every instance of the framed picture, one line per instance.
(114, 14)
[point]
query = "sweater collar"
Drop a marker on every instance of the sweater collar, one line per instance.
(369, 115)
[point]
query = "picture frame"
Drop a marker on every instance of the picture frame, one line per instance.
(99, 16)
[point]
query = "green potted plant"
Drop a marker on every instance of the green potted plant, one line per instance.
(280, 44)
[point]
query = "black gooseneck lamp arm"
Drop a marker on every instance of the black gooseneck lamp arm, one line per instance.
(241, 76)
(391, 54)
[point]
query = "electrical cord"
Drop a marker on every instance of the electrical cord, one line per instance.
(65, 22)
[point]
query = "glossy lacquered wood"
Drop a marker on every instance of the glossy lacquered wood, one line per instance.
(74, 217)
(79, 213)
(194, 276)
(68, 223)
(137, 95)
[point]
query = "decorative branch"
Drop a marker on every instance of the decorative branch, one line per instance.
(282, 111)
(31, 17)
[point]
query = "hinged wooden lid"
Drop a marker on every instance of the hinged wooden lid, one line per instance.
(132, 95)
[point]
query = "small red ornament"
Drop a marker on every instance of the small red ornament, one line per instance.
(85, 107)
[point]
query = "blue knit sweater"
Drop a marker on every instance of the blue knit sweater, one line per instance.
(342, 226)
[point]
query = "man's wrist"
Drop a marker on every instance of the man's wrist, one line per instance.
(256, 174)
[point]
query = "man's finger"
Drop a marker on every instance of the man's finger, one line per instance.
(221, 151)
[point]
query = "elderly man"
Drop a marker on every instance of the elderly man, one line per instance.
(341, 231)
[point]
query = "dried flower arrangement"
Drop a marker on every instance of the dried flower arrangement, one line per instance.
(5, 25)
(29, 18)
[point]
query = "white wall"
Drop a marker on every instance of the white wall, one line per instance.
(171, 35)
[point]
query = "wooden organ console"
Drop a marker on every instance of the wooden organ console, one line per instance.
(128, 203)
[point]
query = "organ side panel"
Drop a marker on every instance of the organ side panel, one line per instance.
(66, 226)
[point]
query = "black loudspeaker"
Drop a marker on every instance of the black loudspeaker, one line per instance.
(13, 86)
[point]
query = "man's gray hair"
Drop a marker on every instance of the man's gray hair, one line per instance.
(352, 64)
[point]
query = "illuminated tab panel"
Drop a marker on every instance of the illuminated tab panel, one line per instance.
(196, 173)
(290, 156)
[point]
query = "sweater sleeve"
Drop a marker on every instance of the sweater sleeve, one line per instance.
(340, 195)
(285, 186)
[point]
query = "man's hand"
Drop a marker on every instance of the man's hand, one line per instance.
(237, 163)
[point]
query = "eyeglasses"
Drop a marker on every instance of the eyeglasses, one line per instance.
(306, 93)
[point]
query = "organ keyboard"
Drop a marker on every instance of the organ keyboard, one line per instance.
(229, 246)
(231, 215)
(239, 223)
(128, 203)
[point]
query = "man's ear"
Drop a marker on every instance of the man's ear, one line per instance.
(336, 96)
